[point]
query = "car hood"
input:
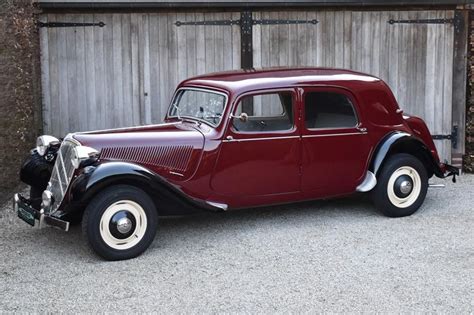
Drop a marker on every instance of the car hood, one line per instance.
(171, 148)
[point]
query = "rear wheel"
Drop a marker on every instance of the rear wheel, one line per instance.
(401, 186)
(120, 223)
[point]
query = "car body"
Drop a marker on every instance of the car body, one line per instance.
(239, 139)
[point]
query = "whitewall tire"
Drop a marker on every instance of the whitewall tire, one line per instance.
(401, 187)
(120, 222)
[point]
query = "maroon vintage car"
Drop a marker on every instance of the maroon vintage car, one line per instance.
(234, 140)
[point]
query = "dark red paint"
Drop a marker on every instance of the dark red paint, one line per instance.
(280, 167)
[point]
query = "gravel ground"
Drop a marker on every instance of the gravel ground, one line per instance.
(338, 255)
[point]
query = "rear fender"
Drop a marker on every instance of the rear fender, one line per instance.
(402, 142)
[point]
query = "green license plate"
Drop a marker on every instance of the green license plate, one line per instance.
(26, 215)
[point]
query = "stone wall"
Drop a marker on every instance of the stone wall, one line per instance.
(469, 157)
(20, 97)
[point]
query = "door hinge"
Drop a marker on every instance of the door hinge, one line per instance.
(422, 21)
(246, 22)
(453, 137)
(68, 24)
(456, 21)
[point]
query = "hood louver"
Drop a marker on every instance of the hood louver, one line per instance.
(170, 157)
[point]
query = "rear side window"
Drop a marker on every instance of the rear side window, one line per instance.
(265, 112)
(329, 110)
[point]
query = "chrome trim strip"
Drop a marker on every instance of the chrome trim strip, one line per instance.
(15, 203)
(436, 185)
(117, 129)
(335, 134)
(258, 139)
(221, 206)
(60, 156)
(41, 219)
(176, 173)
(57, 172)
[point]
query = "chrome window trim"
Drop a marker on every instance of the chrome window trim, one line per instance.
(266, 92)
(335, 134)
(296, 137)
(354, 109)
(259, 139)
(195, 118)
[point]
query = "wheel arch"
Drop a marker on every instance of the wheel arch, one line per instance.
(402, 142)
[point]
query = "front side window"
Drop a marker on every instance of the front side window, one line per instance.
(264, 113)
(198, 104)
(329, 110)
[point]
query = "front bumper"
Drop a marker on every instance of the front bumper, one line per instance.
(36, 217)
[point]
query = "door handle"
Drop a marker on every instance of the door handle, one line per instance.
(229, 138)
(362, 129)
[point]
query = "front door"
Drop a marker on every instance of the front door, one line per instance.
(260, 154)
(335, 144)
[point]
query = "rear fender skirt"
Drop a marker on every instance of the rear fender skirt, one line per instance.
(95, 178)
(396, 138)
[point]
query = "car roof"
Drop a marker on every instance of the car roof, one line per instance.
(238, 81)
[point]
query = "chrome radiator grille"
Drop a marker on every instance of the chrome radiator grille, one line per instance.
(62, 173)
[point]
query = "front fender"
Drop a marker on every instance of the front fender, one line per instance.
(170, 199)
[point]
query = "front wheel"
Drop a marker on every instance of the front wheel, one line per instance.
(401, 186)
(120, 222)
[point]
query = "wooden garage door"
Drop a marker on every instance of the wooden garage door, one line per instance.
(416, 60)
(124, 73)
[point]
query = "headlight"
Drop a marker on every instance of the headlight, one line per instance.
(81, 153)
(44, 142)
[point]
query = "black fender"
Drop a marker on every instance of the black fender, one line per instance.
(402, 142)
(169, 199)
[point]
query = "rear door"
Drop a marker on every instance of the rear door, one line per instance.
(335, 143)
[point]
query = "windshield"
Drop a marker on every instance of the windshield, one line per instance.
(198, 104)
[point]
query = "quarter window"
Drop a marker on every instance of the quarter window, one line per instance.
(263, 113)
(329, 110)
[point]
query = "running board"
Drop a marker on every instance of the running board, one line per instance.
(436, 185)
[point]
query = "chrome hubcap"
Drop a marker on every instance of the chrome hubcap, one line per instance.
(405, 187)
(124, 225)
